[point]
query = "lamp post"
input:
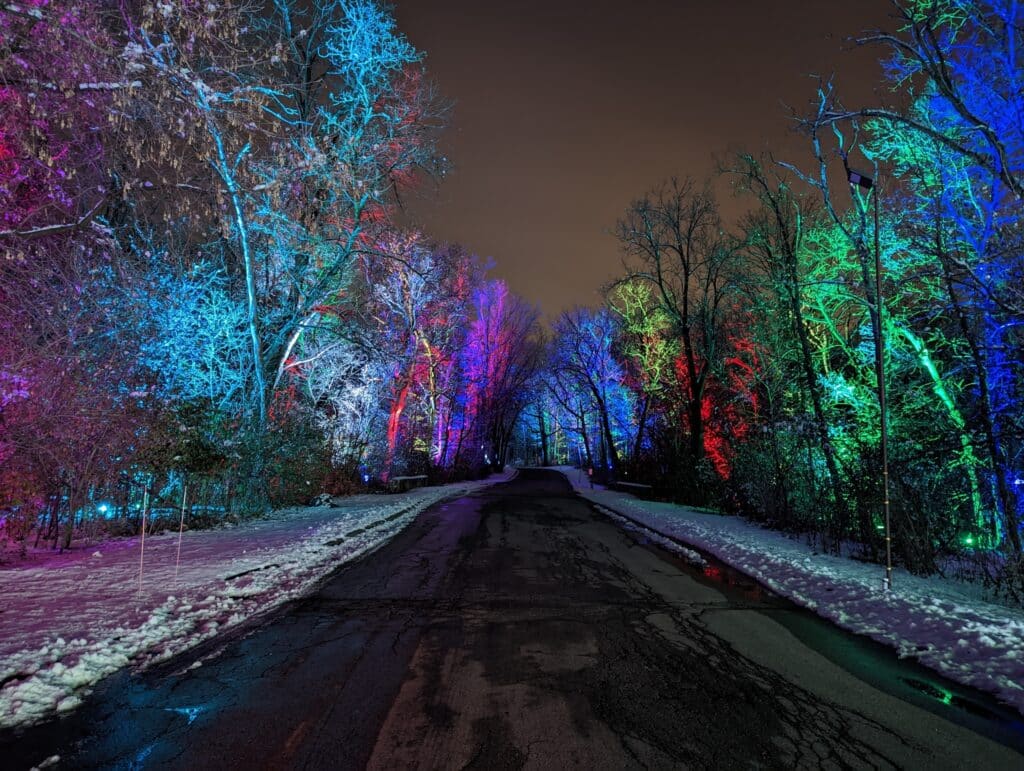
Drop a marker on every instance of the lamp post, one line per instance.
(855, 178)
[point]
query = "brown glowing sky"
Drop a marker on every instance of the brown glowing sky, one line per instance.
(566, 110)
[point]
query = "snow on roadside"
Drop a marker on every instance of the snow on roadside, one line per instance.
(942, 623)
(653, 536)
(69, 621)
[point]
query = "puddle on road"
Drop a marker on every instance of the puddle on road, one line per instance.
(946, 697)
(738, 587)
(906, 679)
(723, 576)
(869, 661)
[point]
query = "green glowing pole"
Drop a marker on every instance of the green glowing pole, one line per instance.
(967, 455)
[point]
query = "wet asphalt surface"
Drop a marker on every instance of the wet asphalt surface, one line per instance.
(514, 628)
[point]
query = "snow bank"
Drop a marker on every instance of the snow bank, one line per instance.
(69, 620)
(943, 623)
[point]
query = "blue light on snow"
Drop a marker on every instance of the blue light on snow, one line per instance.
(190, 713)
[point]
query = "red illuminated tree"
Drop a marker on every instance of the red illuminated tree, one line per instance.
(674, 237)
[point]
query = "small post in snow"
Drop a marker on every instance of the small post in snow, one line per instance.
(181, 528)
(142, 546)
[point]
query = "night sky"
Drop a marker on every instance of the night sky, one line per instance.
(566, 110)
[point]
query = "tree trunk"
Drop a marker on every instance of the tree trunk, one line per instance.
(586, 439)
(637, 443)
(542, 428)
(695, 417)
(610, 454)
(1006, 499)
(814, 390)
(69, 524)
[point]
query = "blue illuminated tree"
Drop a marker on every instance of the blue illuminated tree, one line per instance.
(587, 372)
(960, 149)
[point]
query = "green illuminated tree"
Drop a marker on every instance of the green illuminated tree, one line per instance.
(674, 237)
(775, 240)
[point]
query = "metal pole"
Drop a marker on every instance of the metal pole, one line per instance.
(880, 372)
(142, 543)
(181, 528)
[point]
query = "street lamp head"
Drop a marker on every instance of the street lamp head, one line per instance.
(861, 180)
(855, 177)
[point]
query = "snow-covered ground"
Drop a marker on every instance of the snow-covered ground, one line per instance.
(943, 623)
(69, 620)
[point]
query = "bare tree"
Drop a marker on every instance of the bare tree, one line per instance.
(674, 241)
(584, 357)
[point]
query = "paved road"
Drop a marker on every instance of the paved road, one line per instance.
(515, 628)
